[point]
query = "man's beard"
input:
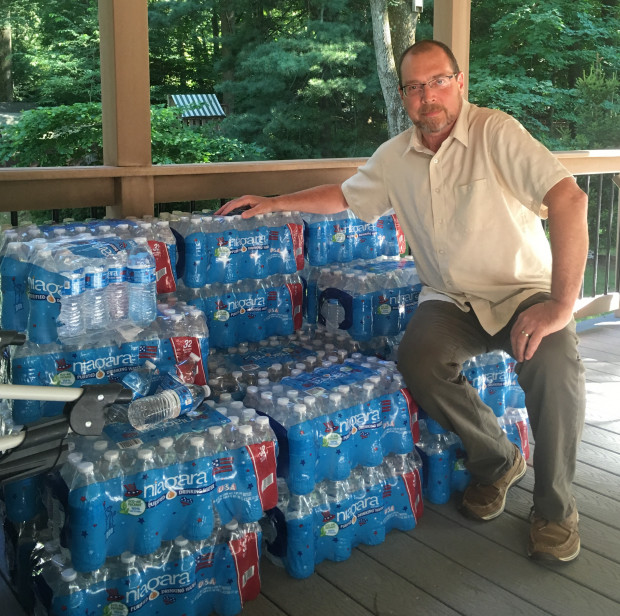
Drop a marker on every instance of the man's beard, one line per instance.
(436, 123)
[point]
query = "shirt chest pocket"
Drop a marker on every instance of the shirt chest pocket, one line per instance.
(472, 206)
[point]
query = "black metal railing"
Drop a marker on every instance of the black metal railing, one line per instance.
(602, 274)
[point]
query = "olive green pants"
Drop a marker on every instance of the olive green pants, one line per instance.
(440, 337)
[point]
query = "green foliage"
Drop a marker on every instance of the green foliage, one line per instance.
(55, 57)
(598, 109)
(312, 94)
(54, 137)
(527, 57)
(173, 142)
(72, 135)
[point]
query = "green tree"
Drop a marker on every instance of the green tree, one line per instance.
(313, 93)
(526, 58)
(55, 56)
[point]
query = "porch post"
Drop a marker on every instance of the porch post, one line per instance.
(125, 95)
(451, 25)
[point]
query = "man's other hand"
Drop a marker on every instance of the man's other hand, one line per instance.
(536, 322)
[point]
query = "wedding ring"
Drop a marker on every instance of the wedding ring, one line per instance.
(525, 334)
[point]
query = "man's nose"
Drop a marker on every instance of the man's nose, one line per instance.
(428, 94)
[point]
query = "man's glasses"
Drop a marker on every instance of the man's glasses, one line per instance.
(439, 83)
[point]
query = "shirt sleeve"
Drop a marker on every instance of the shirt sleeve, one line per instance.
(529, 170)
(366, 191)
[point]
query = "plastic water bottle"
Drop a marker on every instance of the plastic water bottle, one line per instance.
(95, 295)
(142, 286)
(140, 380)
(515, 425)
(14, 271)
(45, 293)
(67, 593)
(438, 467)
(300, 550)
(182, 565)
(166, 268)
(147, 412)
(117, 290)
(317, 238)
(147, 532)
(87, 520)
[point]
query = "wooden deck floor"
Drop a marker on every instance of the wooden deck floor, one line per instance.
(449, 565)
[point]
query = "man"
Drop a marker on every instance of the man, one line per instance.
(469, 186)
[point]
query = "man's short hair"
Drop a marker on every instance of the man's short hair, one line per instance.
(425, 45)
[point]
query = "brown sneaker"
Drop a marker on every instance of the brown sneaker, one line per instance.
(554, 541)
(485, 502)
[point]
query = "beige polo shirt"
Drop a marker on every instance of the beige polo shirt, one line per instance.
(471, 212)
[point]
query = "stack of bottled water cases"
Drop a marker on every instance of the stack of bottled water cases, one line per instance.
(63, 281)
(346, 427)
(163, 520)
(442, 452)
(242, 273)
(342, 238)
(86, 296)
(493, 375)
(249, 310)
(369, 299)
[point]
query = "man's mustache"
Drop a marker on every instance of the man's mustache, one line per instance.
(430, 108)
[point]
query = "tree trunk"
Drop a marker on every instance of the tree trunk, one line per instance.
(6, 72)
(389, 43)
(227, 29)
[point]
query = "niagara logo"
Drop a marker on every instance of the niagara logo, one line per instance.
(102, 363)
(366, 504)
(254, 240)
(151, 588)
(48, 288)
(176, 483)
(370, 419)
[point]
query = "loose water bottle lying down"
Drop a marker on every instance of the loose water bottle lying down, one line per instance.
(144, 413)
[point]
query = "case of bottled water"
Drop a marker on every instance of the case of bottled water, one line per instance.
(335, 418)
(228, 249)
(134, 490)
(341, 238)
(370, 299)
(249, 310)
(216, 575)
(336, 516)
(106, 358)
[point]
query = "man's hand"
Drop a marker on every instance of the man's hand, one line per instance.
(536, 322)
(258, 205)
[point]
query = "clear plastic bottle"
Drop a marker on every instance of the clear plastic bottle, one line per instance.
(140, 380)
(230, 432)
(71, 319)
(142, 286)
(87, 519)
(165, 453)
(152, 410)
(67, 592)
(96, 313)
(117, 289)
(109, 467)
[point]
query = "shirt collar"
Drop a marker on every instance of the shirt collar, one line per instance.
(460, 132)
